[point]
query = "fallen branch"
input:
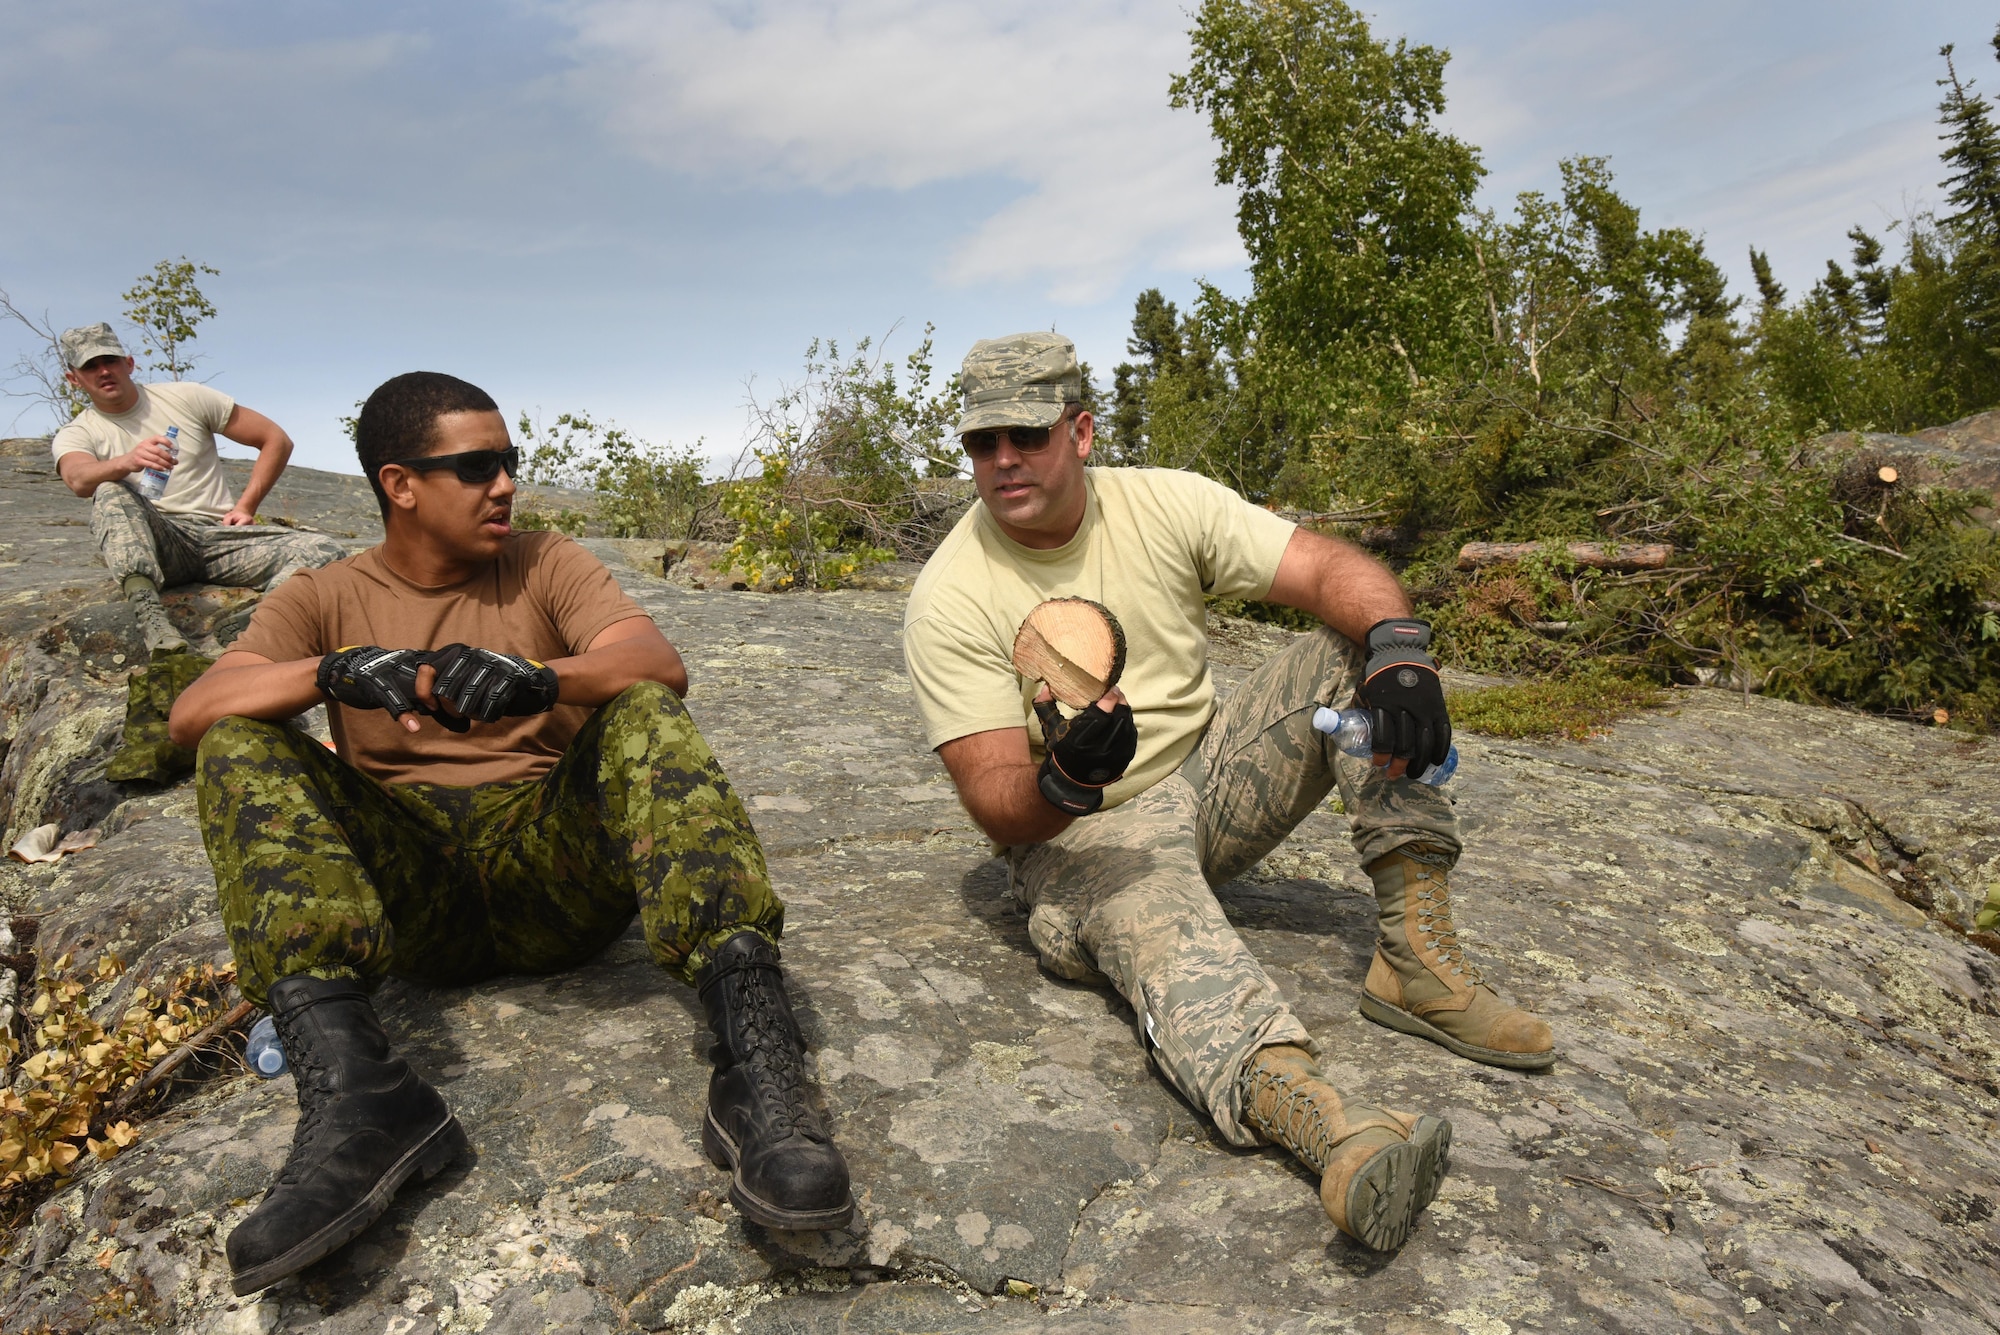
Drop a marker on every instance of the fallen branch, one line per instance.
(173, 1061)
(1597, 555)
(1873, 547)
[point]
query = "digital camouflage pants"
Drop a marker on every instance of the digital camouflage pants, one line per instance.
(135, 537)
(1125, 894)
(323, 871)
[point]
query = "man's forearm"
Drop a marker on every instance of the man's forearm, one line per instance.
(262, 690)
(1007, 803)
(601, 675)
(264, 474)
(84, 475)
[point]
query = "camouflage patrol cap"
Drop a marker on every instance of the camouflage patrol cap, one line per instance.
(79, 345)
(1019, 380)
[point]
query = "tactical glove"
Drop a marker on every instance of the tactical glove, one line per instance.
(365, 676)
(1405, 699)
(1085, 754)
(485, 686)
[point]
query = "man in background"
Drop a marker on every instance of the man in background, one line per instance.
(195, 532)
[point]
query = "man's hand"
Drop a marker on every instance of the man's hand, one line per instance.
(152, 452)
(364, 676)
(484, 686)
(1086, 753)
(1405, 699)
(237, 517)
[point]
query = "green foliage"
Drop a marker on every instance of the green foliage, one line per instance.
(167, 304)
(644, 490)
(838, 458)
(1563, 372)
(1573, 707)
(1352, 204)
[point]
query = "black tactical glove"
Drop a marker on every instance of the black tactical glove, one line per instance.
(1085, 753)
(485, 686)
(364, 676)
(1403, 696)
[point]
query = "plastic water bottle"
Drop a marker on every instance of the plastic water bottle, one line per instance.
(1353, 733)
(263, 1053)
(153, 481)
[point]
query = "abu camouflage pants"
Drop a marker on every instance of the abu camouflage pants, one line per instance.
(321, 870)
(136, 537)
(1125, 894)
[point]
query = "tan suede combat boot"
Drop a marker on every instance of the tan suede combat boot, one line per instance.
(1421, 983)
(1378, 1169)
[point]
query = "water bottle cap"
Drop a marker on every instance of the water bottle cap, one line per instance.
(271, 1061)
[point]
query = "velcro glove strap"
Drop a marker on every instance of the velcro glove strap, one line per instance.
(366, 676)
(485, 686)
(1401, 690)
(1086, 753)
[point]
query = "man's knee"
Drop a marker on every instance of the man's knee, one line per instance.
(233, 741)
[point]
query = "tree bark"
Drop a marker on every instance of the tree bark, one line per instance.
(1597, 555)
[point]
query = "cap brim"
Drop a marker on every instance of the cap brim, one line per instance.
(988, 416)
(84, 356)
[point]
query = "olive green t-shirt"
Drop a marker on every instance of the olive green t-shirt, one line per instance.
(543, 597)
(1153, 543)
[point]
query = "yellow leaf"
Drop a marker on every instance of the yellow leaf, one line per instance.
(123, 1134)
(41, 1006)
(77, 1125)
(156, 1049)
(37, 1066)
(63, 1154)
(96, 1053)
(103, 1149)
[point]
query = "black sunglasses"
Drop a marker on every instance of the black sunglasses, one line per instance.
(982, 445)
(475, 466)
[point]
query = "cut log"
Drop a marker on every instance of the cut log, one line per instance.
(1074, 645)
(1596, 555)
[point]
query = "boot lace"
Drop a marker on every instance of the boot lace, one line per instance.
(772, 1054)
(314, 1078)
(1295, 1117)
(1433, 899)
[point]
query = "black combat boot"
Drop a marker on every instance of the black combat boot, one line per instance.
(787, 1174)
(366, 1123)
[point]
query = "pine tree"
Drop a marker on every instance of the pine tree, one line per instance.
(1972, 152)
(1769, 288)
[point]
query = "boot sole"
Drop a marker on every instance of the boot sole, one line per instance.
(427, 1158)
(1432, 1137)
(724, 1153)
(1382, 1197)
(1395, 1017)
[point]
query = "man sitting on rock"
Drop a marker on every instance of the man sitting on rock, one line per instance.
(516, 777)
(1117, 822)
(194, 533)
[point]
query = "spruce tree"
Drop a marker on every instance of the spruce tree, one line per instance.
(1768, 287)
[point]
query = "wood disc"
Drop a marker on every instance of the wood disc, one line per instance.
(1074, 645)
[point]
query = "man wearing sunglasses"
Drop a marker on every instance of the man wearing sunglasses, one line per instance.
(515, 778)
(1117, 821)
(195, 532)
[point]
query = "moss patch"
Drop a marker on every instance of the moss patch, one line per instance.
(1573, 707)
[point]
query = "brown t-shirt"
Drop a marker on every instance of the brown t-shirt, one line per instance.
(544, 597)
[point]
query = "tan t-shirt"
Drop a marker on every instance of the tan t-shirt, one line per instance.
(543, 598)
(196, 486)
(1153, 542)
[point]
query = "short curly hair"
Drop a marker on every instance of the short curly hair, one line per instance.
(399, 421)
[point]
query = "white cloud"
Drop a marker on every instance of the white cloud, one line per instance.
(1068, 100)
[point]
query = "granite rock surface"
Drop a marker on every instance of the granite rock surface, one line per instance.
(1746, 920)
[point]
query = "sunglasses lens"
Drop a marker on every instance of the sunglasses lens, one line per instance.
(981, 445)
(481, 466)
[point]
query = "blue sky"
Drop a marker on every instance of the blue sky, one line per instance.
(636, 207)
